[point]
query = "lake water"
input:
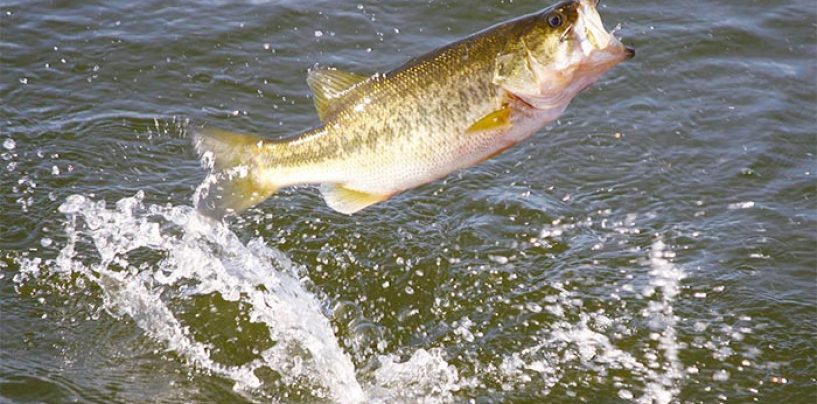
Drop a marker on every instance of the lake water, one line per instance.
(656, 244)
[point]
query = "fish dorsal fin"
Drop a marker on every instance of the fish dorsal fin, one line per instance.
(329, 86)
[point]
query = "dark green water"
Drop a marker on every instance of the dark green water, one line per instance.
(657, 244)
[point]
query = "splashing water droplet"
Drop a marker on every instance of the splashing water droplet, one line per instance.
(203, 258)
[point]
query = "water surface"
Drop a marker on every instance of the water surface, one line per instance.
(656, 244)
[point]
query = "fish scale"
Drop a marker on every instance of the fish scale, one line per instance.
(449, 109)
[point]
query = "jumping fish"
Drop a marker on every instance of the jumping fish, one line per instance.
(452, 108)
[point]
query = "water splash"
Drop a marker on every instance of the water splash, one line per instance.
(589, 340)
(150, 263)
(147, 260)
(664, 278)
(426, 374)
(199, 257)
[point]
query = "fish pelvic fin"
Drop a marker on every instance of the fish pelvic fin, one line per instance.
(349, 201)
(236, 181)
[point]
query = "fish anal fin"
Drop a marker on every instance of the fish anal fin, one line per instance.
(499, 119)
(329, 86)
(349, 201)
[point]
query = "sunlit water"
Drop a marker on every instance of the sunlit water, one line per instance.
(655, 245)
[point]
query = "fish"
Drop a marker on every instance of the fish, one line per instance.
(452, 108)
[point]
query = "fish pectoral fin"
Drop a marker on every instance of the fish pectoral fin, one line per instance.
(499, 119)
(329, 86)
(349, 201)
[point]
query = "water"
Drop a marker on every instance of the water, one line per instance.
(654, 245)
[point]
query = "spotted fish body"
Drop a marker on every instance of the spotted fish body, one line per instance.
(452, 108)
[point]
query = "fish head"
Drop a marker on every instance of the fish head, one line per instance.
(556, 53)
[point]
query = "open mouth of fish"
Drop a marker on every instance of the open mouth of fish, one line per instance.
(593, 40)
(594, 50)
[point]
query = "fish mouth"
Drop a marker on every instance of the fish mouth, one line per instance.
(593, 51)
(593, 40)
(587, 50)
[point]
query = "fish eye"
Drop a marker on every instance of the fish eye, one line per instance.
(555, 19)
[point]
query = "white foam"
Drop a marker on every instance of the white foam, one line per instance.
(199, 257)
(202, 257)
(425, 377)
(588, 342)
(741, 205)
(666, 278)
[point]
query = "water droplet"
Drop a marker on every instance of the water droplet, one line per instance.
(499, 259)
(741, 205)
(72, 204)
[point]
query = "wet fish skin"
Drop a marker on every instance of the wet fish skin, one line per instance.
(449, 109)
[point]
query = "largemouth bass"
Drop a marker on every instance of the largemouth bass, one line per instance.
(449, 109)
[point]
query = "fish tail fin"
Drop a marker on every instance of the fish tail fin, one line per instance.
(235, 182)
